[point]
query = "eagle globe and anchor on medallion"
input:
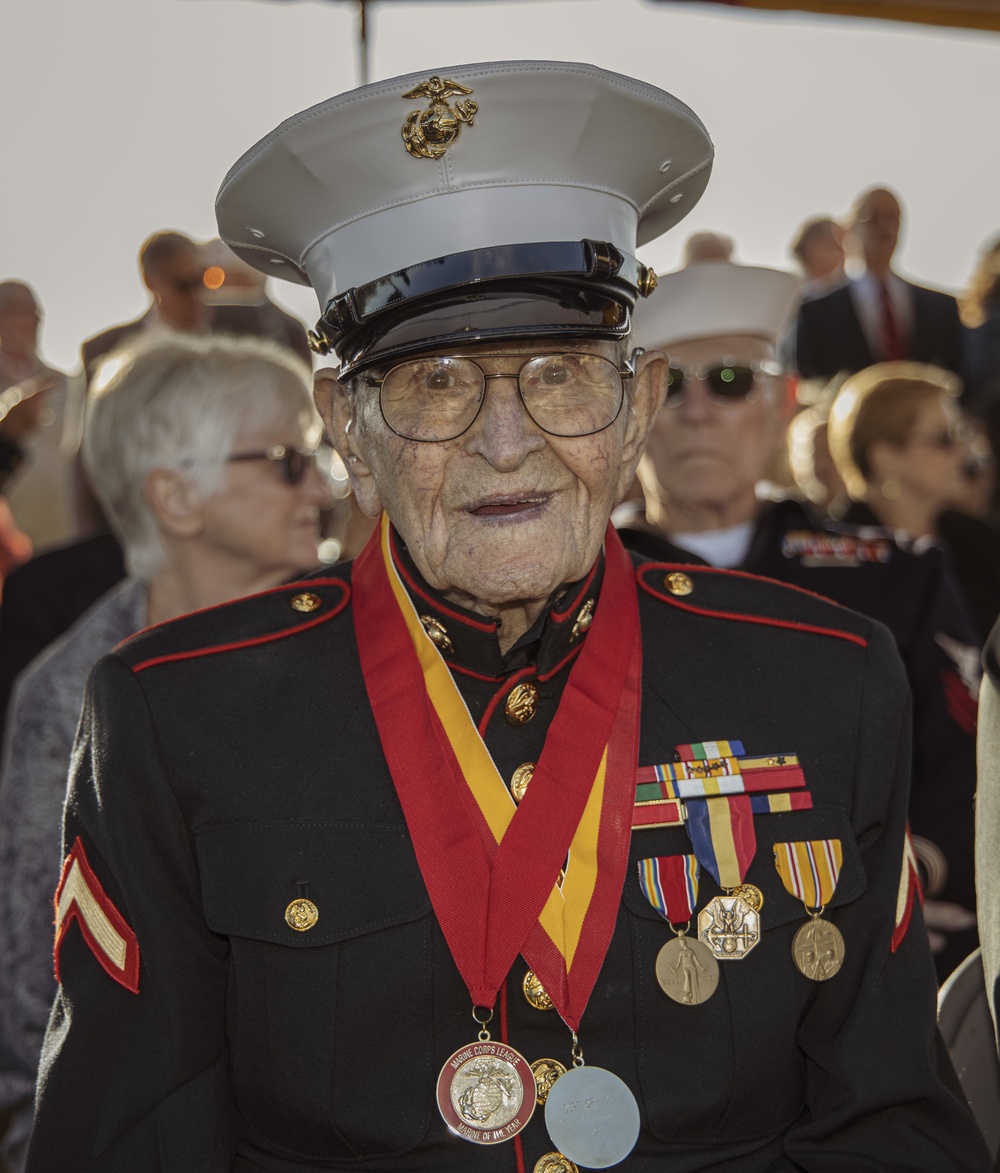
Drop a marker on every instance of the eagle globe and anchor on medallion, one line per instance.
(486, 1091)
(429, 133)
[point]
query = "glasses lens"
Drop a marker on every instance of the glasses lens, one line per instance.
(571, 394)
(432, 398)
(675, 381)
(730, 380)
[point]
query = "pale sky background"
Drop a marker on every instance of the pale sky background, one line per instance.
(120, 117)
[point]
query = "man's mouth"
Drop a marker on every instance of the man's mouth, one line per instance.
(509, 504)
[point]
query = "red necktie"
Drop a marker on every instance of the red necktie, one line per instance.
(892, 340)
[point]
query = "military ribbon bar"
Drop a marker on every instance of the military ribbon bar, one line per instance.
(810, 870)
(727, 773)
(670, 884)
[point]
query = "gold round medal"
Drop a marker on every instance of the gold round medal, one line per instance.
(818, 949)
(687, 971)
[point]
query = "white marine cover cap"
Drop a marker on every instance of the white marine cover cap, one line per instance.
(497, 200)
(714, 298)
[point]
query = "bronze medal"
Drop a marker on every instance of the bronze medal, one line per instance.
(818, 949)
(486, 1092)
(546, 1072)
(729, 927)
(687, 971)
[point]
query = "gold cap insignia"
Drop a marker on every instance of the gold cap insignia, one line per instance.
(429, 133)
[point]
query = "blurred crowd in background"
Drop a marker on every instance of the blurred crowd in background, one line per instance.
(203, 476)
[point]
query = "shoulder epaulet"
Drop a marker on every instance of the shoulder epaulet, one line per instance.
(241, 623)
(737, 596)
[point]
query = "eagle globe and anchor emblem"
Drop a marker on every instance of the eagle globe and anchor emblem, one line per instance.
(429, 133)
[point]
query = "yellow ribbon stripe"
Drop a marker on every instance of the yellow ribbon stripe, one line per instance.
(566, 908)
(810, 870)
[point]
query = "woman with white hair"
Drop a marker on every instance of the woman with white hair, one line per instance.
(201, 451)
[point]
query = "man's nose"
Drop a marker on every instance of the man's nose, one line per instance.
(503, 432)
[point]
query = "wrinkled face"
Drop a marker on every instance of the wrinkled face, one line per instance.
(710, 454)
(928, 466)
(257, 522)
(179, 290)
(877, 227)
(505, 512)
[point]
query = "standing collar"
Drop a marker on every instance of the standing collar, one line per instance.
(468, 641)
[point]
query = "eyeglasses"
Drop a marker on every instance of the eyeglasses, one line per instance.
(438, 398)
(725, 382)
(294, 462)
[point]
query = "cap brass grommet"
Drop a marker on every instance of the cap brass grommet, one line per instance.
(301, 915)
(306, 602)
(648, 281)
(678, 584)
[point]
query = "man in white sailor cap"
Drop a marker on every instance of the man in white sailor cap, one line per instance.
(720, 428)
(361, 871)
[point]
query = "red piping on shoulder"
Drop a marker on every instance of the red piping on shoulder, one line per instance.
(789, 624)
(285, 586)
(261, 639)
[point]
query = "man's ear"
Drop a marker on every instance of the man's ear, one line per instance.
(648, 392)
(337, 409)
(174, 503)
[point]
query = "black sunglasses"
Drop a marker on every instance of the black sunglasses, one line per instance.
(294, 462)
(726, 381)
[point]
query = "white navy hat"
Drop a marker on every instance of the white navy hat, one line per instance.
(472, 202)
(713, 298)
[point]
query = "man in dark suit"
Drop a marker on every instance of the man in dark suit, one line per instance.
(877, 317)
(172, 272)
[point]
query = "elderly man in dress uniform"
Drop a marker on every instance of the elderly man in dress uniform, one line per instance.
(722, 423)
(359, 871)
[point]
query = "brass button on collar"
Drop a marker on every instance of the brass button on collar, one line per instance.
(678, 584)
(521, 704)
(519, 780)
(306, 602)
(584, 618)
(301, 915)
(437, 633)
(535, 992)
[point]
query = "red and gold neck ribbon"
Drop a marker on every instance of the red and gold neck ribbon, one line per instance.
(670, 884)
(491, 866)
(810, 870)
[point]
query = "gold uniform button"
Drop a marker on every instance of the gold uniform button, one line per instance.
(521, 704)
(535, 992)
(546, 1072)
(519, 780)
(678, 584)
(301, 915)
(437, 633)
(555, 1163)
(306, 602)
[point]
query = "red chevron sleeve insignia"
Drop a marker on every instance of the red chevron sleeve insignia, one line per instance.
(81, 897)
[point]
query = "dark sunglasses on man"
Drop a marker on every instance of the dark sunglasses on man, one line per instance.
(293, 462)
(728, 381)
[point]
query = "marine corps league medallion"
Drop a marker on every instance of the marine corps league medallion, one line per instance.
(687, 971)
(818, 949)
(729, 927)
(486, 1092)
(429, 133)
